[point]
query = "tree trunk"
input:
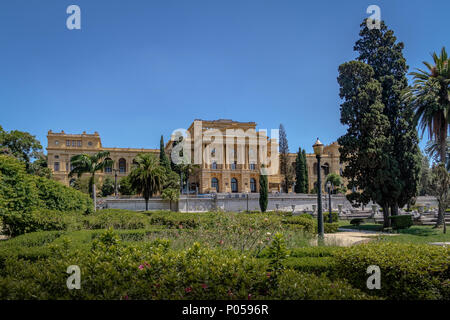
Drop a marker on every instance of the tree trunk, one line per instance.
(394, 209)
(387, 221)
(94, 196)
(441, 212)
(146, 204)
(443, 143)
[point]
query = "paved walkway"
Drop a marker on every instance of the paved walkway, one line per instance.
(349, 237)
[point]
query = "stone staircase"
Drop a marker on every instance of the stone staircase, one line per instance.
(430, 218)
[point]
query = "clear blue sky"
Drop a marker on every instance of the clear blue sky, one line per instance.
(138, 69)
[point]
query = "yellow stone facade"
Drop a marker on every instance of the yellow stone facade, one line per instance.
(62, 146)
(228, 156)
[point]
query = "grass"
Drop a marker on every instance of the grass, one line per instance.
(415, 234)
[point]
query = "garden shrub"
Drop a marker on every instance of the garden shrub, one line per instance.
(307, 224)
(320, 251)
(111, 270)
(56, 196)
(22, 194)
(401, 221)
(331, 227)
(408, 271)
(117, 219)
(294, 285)
(316, 265)
(334, 216)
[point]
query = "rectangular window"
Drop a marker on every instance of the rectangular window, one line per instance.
(68, 143)
(79, 143)
(73, 143)
(56, 166)
(233, 166)
(252, 166)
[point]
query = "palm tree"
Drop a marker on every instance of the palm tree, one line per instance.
(432, 149)
(84, 163)
(147, 176)
(431, 100)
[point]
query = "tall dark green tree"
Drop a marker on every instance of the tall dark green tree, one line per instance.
(163, 159)
(380, 49)
(306, 171)
(300, 165)
(363, 147)
(285, 169)
(263, 191)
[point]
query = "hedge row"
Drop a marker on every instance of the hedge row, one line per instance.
(109, 268)
(408, 271)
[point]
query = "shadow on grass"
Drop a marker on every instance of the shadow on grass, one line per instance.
(365, 227)
(419, 231)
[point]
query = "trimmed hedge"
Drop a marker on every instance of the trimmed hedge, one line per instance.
(408, 271)
(401, 221)
(307, 224)
(111, 270)
(117, 219)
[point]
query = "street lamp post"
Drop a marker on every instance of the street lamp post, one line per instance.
(318, 150)
(330, 188)
(247, 201)
(115, 182)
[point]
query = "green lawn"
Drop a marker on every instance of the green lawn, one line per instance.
(415, 234)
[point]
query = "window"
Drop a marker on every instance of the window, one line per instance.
(234, 185)
(68, 143)
(253, 185)
(108, 168)
(56, 166)
(215, 184)
(56, 157)
(122, 165)
(233, 166)
(214, 165)
(326, 169)
(73, 143)
(252, 166)
(79, 143)
(90, 143)
(56, 142)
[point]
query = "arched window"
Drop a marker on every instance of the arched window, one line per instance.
(108, 168)
(122, 165)
(326, 169)
(234, 185)
(215, 184)
(253, 185)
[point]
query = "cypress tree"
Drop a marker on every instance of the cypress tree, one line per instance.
(305, 175)
(379, 49)
(364, 147)
(299, 172)
(263, 190)
(163, 159)
(285, 170)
